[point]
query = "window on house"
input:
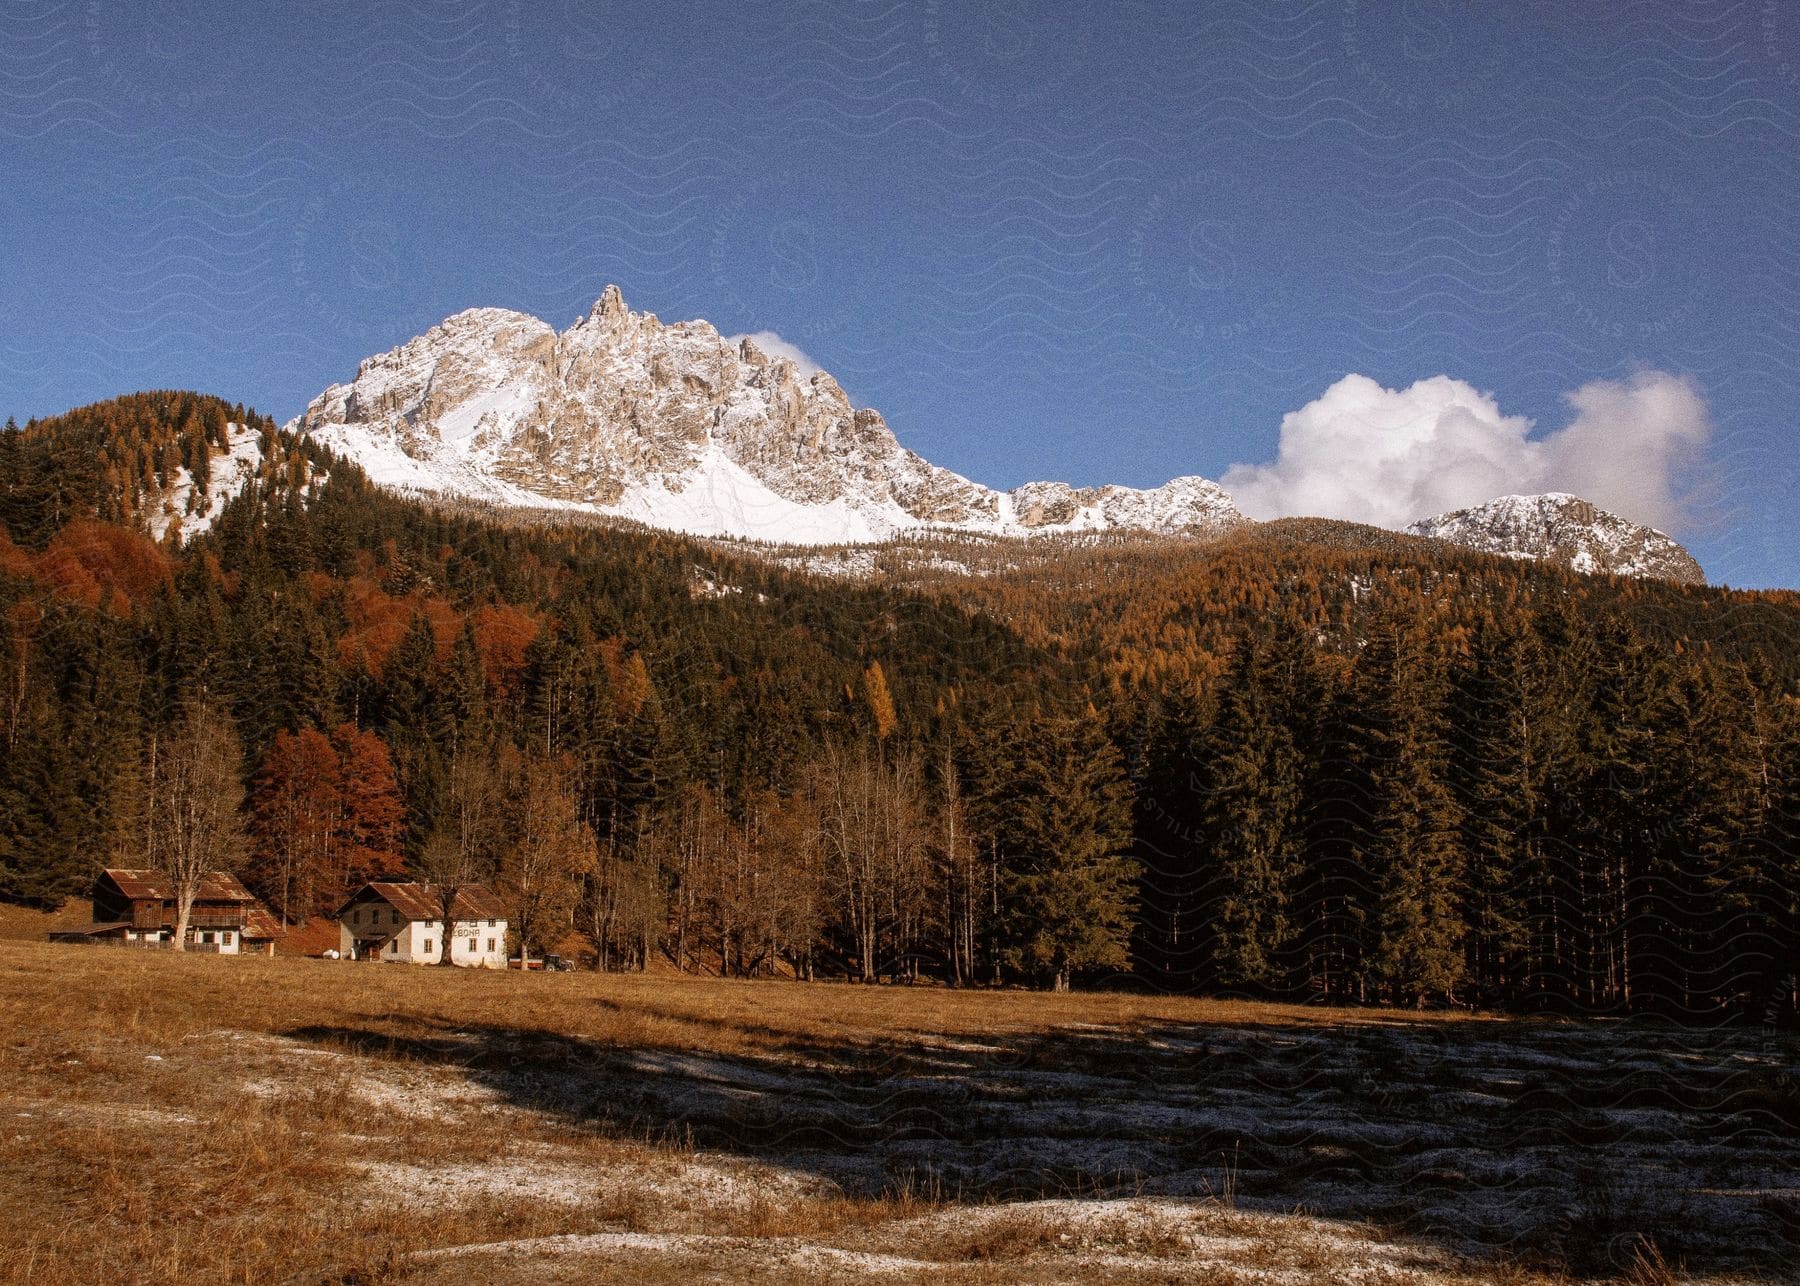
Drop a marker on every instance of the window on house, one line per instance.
(429, 946)
(490, 946)
(206, 937)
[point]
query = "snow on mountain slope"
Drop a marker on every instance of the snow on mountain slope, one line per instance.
(674, 427)
(228, 474)
(1567, 530)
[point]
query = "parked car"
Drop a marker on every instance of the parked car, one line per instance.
(550, 961)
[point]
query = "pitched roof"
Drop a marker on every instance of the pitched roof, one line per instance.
(98, 929)
(155, 886)
(423, 901)
(260, 923)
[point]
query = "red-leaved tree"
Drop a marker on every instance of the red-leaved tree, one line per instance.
(327, 817)
(374, 817)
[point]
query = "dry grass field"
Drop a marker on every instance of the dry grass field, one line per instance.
(309, 1120)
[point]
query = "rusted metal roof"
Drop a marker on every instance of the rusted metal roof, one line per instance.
(260, 923)
(95, 930)
(154, 886)
(424, 902)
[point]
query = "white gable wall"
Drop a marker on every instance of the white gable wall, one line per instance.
(479, 944)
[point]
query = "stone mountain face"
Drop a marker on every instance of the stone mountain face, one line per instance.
(1567, 530)
(675, 427)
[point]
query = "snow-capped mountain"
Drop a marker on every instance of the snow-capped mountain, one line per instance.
(675, 427)
(678, 428)
(1567, 530)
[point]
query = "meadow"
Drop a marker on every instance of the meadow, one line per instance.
(313, 1120)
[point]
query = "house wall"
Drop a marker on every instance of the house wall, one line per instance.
(476, 945)
(367, 920)
(472, 946)
(480, 944)
(227, 942)
(412, 943)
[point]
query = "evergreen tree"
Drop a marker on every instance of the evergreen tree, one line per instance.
(1411, 849)
(1173, 841)
(1513, 726)
(1253, 820)
(1068, 882)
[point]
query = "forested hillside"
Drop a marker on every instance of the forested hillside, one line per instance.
(1304, 760)
(146, 461)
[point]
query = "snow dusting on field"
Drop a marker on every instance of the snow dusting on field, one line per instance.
(1408, 1152)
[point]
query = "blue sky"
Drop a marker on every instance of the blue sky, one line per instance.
(1046, 240)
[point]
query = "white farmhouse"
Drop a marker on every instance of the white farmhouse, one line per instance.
(404, 922)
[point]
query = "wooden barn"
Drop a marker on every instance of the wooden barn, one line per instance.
(137, 908)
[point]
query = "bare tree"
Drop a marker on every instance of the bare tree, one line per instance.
(758, 876)
(693, 843)
(689, 843)
(961, 878)
(196, 798)
(799, 900)
(624, 907)
(871, 833)
(463, 850)
(551, 852)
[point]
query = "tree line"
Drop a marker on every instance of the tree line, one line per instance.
(734, 780)
(1289, 764)
(1545, 812)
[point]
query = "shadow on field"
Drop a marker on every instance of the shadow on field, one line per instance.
(1568, 1146)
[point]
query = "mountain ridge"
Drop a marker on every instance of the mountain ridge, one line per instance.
(671, 425)
(1568, 530)
(675, 427)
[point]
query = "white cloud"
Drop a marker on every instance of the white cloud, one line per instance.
(1391, 456)
(775, 346)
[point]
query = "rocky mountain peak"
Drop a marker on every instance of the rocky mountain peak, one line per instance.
(676, 427)
(1568, 530)
(611, 304)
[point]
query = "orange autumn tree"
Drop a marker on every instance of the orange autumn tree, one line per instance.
(374, 816)
(298, 806)
(327, 817)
